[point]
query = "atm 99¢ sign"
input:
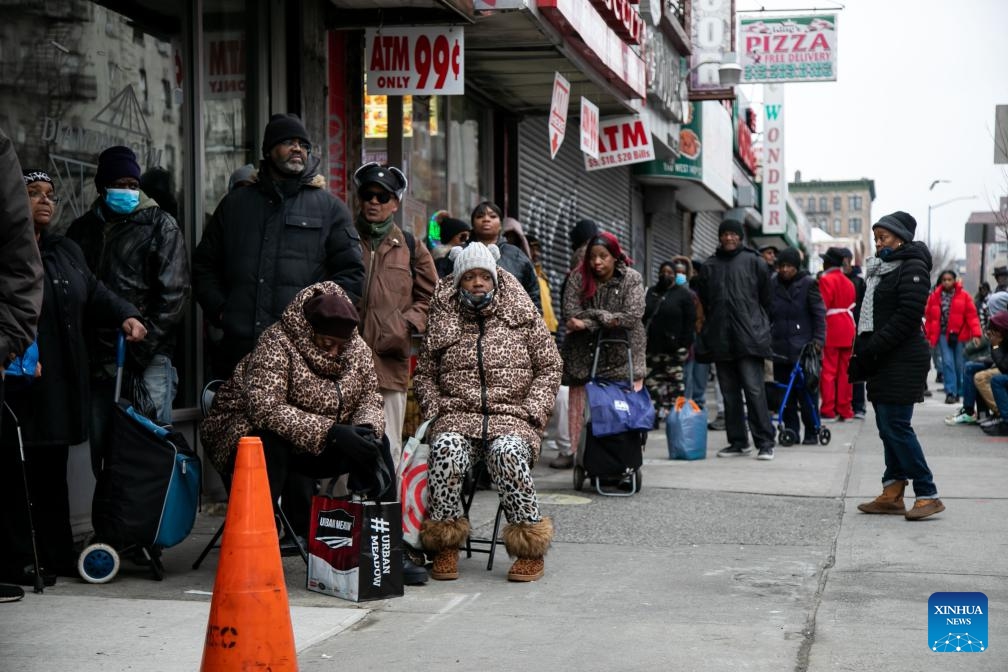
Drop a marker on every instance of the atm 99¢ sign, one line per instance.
(420, 60)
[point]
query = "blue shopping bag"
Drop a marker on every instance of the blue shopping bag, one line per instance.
(616, 408)
(686, 431)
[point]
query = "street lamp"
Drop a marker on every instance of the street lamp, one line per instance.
(938, 205)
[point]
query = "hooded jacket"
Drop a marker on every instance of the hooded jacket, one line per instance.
(963, 320)
(291, 387)
(266, 242)
(488, 373)
(894, 357)
(142, 257)
(734, 288)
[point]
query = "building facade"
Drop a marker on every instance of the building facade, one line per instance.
(841, 208)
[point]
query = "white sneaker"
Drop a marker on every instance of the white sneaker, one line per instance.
(961, 418)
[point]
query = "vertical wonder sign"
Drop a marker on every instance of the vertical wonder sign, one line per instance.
(428, 60)
(774, 184)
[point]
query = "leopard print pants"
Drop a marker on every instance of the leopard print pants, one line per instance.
(508, 461)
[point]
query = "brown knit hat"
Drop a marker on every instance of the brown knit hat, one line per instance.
(331, 315)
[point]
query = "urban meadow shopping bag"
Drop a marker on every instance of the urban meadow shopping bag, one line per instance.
(412, 478)
(355, 549)
(686, 431)
(616, 408)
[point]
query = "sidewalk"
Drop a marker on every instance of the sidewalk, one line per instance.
(720, 564)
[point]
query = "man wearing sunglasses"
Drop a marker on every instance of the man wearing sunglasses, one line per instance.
(399, 280)
(269, 240)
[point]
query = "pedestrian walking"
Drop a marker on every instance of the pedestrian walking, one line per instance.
(891, 355)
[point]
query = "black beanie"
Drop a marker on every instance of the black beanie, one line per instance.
(789, 256)
(451, 227)
(732, 226)
(282, 127)
(114, 164)
(900, 224)
(582, 232)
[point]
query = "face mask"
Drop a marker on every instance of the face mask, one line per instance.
(122, 201)
(664, 281)
(885, 253)
(680, 278)
(471, 300)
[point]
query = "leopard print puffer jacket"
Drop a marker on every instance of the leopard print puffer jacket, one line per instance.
(490, 373)
(289, 386)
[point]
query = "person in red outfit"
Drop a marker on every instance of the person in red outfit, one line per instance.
(950, 319)
(840, 298)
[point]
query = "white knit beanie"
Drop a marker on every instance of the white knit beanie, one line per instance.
(474, 255)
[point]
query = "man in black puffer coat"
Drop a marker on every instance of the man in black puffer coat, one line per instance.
(892, 355)
(734, 288)
(269, 240)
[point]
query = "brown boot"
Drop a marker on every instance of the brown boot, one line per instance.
(528, 543)
(443, 538)
(890, 501)
(923, 508)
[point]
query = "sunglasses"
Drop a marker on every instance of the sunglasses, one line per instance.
(382, 196)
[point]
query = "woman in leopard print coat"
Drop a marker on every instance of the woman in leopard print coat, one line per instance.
(295, 395)
(489, 371)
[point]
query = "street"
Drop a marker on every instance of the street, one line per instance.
(720, 564)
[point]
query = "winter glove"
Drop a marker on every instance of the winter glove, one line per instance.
(953, 340)
(360, 448)
(855, 370)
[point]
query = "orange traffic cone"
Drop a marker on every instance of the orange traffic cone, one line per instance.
(250, 625)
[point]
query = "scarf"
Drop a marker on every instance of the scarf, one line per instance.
(875, 268)
(377, 232)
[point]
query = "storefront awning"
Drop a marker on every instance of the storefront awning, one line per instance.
(359, 13)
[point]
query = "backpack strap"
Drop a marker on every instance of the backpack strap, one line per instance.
(411, 244)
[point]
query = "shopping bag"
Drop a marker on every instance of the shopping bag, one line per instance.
(355, 549)
(412, 478)
(811, 364)
(686, 431)
(616, 408)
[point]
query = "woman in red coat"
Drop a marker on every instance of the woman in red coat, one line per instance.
(840, 297)
(950, 320)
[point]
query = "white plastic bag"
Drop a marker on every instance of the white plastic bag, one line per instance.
(412, 478)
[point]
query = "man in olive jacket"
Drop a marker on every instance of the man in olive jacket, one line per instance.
(269, 240)
(734, 288)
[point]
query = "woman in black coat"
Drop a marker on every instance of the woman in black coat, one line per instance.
(891, 354)
(670, 320)
(798, 317)
(51, 408)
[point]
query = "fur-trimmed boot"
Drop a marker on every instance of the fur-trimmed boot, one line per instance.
(443, 538)
(528, 543)
(890, 501)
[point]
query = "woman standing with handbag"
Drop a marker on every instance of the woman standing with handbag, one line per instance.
(891, 355)
(489, 371)
(602, 293)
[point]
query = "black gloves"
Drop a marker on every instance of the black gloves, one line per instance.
(359, 445)
(953, 340)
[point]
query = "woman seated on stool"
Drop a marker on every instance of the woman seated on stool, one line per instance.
(309, 391)
(488, 371)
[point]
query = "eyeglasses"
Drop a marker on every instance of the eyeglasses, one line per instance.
(290, 142)
(382, 196)
(41, 195)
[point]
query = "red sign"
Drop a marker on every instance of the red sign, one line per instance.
(608, 53)
(746, 151)
(623, 18)
(622, 140)
(336, 126)
(429, 60)
(558, 113)
(589, 128)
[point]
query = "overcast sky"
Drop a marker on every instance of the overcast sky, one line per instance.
(917, 82)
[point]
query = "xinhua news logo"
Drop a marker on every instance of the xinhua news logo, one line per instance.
(957, 622)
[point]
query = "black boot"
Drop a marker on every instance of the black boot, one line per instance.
(413, 574)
